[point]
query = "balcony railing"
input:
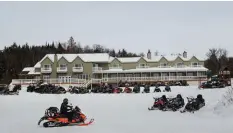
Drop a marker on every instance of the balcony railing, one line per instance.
(196, 66)
(95, 69)
(62, 69)
(46, 70)
(180, 66)
(116, 67)
(164, 66)
(142, 67)
(112, 79)
(77, 69)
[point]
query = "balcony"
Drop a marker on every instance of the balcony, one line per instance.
(46, 70)
(116, 67)
(62, 69)
(196, 65)
(77, 69)
(164, 66)
(96, 69)
(180, 66)
(138, 67)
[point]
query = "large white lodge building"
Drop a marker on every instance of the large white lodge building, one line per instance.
(100, 67)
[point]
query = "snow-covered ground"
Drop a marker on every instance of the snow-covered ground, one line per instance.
(118, 113)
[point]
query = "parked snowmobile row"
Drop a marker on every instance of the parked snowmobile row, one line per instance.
(173, 104)
(45, 88)
(5, 90)
(135, 89)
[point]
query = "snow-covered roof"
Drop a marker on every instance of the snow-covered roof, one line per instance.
(27, 69)
(90, 57)
(95, 57)
(128, 59)
(155, 69)
(31, 71)
(104, 57)
(171, 58)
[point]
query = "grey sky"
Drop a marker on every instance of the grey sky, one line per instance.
(136, 26)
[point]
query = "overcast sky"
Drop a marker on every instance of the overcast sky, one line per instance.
(168, 27)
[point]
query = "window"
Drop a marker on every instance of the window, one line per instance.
(46, 77)
(163, 64)
(78, 65)
(37, 77)
(47, 67)
(114, 65)
(62, 66)
(95, 65)
(112, 75)
(82, 76)
(180, 64)
(142, 65)
(195, 64)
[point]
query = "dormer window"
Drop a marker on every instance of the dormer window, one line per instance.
(195, 64)
(62, 66)
(163, 64)
(142, 66)
(47, 67)
(77, 65)
(180, 64)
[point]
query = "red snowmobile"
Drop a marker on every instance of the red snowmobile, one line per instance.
(127, 90)
(55, 119)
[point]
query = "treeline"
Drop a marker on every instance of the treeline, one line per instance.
(218, 60)
(15, 57)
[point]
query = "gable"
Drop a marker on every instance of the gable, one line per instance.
(163, 60)
(178, 60)
(142, 61)
(62, 60)
(46, 61)
(194, 59)
(115, 61)
(77, 60)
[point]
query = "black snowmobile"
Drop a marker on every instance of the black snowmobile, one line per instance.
(146, 89)
(194, 104)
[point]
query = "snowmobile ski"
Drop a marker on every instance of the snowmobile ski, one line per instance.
(183, 111)
(86, 124)
(153, 109)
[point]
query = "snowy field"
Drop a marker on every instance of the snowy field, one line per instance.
(117, 113)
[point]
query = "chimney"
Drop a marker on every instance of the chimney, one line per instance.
(156, 53)
(149, 54)
(185, 54)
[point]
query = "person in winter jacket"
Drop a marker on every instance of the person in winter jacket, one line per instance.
(179, 101)
(200, 102)
(66, 109)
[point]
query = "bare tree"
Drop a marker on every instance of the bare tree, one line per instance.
(217, 59)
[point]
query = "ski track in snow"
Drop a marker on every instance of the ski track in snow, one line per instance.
(117, 113)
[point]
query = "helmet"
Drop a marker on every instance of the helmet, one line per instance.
(179, 96)
(163, 97)
(199, 96)
(65, 100)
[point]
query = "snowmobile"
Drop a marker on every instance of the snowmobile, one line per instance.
(127, 90)
(54, 119)
(190, 106)
(157, 104)
(169, 107)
